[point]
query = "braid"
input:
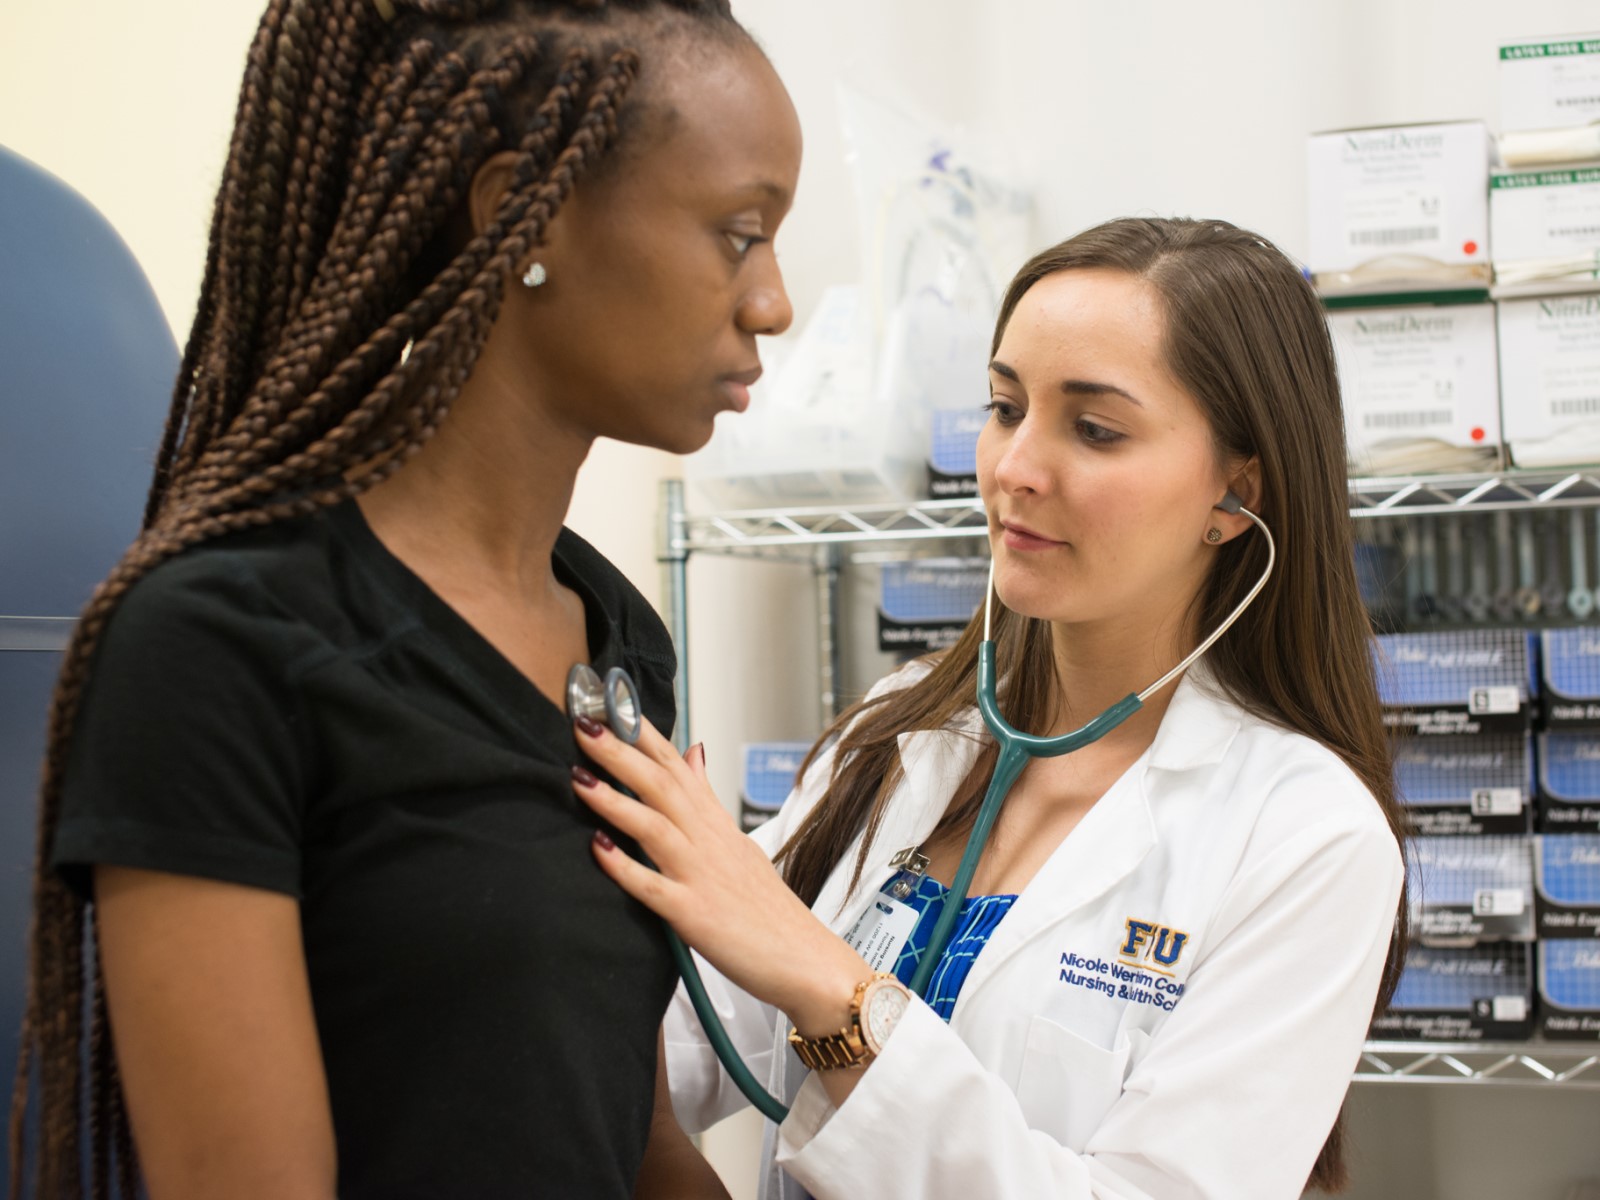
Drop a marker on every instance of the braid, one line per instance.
(355, 141)
(102, 1081)
(411, 218)
(481, 300)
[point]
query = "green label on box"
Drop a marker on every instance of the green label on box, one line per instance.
(1550, 49)
(1527, 179)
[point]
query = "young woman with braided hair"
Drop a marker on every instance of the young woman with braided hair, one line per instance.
(307, 842)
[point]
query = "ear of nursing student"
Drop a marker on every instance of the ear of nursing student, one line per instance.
(1177, 934)
(309, 759)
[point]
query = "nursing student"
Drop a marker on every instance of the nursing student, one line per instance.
(308, 846)
(1162, 974)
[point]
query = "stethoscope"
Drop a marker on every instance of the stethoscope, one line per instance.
(612, 701)
(616, 699)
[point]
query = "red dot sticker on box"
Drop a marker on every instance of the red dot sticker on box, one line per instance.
(1477, 433)
(1469, 248)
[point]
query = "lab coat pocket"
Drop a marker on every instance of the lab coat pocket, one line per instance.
(1067, 1085)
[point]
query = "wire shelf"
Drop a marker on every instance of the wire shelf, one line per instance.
(1572, 1066)
(784, 532)
(764, 531)
(35, 633)
(1435, 495)
(769, 528)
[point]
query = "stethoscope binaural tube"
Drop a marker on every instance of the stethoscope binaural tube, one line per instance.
(1016, 748)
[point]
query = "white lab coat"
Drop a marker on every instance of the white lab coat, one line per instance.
(1257, 843)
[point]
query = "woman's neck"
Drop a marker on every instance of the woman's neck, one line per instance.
(1099, 664)
(485, 499)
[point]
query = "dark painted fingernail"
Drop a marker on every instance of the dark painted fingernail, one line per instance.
(602, 840)
(590, 727)
(583, 778)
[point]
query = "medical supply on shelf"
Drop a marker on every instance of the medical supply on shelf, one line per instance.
(941, 232)
(953, 452)
(1458, 786)
(1549, 82)
(1545, 228)
(1566, 882)
(1465, 890)
(1569, 782)
(1569, 990)
(1421, 387)
(1547, 148)
(1569, 666)
(817, 431)
(1550, 379)
(1398, 207)
(769, 773)
(1458, 681)
(1471, 994)
(925, 603)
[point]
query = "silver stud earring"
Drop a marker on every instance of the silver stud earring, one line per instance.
(1213, 535)
(534, 275)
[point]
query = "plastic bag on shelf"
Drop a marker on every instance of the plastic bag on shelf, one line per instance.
(941, 235)
(846, 416)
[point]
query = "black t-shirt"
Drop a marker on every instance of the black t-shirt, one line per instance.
(294, 709)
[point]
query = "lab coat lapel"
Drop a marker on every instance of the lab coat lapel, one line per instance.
(933, 762)
(1119, 831)
(1107, 846)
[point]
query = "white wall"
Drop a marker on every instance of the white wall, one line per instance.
(1103, 109)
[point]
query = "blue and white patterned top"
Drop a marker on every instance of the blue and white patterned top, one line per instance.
(979, 917)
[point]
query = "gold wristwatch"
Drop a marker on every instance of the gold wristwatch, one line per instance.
(875, 1009)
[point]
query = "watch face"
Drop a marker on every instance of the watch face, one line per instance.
(882, 1007)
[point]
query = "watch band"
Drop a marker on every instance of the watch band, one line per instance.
(838, 1051)
(834, 1052)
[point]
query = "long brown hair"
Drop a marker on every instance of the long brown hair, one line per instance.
(1246, 337)
(339, 316)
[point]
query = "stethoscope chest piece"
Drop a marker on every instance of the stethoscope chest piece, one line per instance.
(613, 701)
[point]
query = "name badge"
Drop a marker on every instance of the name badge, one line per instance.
(881, 932)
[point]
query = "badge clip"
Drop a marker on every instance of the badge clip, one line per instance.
(912, 864)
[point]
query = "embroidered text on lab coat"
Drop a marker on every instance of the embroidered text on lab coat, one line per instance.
(1120, 982)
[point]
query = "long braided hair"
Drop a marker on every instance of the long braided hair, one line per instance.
(335, 326)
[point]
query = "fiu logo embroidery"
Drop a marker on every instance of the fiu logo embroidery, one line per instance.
(1152, 946)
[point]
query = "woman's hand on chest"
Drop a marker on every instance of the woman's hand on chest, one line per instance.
(711, 883)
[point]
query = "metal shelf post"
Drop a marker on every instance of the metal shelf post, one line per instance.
(672, 552)
(826, 571)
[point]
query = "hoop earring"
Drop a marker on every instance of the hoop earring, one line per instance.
(1213, 535)
(534, 275)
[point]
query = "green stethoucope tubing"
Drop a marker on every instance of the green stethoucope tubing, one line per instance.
(716, 1033)
(1016, 748)
(768, 1105)
(1015, 751)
